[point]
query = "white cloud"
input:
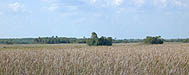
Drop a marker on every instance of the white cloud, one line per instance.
(69, 14)
(93, 1)
(53, 7)
(104, 3)
(16, 6)
(118, 6)
(139, 3)
(120, 10)
(161, 3)
(117, 2)
(179, 3)
(49, 1)
(164, 2)
(70, 7)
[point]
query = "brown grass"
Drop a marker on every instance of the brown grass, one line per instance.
(120, 59)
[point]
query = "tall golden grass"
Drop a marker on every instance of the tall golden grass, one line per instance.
(121, 59)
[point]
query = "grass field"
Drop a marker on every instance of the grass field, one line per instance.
(75, 59)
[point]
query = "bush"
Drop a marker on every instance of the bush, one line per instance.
(153, 40)
(102, 41)
(92, 42)
(186, 40)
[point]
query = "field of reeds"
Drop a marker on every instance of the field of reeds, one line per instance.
(75, 59)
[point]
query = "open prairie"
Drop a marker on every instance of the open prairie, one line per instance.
(80, 59)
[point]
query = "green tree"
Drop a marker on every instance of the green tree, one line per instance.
(94, 35)
(186, 40)
(102, 41)
(109, 41)
(153, 40)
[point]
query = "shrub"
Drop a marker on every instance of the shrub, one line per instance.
(153, 40)
(92, 42)
(102, 41)
(186, 40)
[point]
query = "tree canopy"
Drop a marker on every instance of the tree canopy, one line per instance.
(153, 40)
(102, 41)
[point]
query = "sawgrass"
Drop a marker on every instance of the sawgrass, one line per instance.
(76, 59)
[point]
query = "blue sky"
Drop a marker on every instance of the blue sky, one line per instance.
(78, 18)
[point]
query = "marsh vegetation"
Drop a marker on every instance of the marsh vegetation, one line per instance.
(74, 59)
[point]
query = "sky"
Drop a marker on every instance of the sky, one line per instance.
(79, 18)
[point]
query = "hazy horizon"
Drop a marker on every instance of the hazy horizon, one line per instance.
(122, 19)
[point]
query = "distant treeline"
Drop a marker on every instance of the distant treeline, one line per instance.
(60, 40)
(177, 40)
(17, 41)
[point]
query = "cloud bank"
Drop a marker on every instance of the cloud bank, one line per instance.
(16, 7)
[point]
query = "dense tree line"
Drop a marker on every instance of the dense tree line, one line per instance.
(120, 41)
(97, 41)
(17, 41)
(43, 40)
(57, 40)
(177, 40)
(102, 41)
(153, 40)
